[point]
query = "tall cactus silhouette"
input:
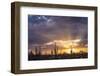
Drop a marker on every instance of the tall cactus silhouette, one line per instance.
(39, 50)
(36, 51)
(55, 48)
(71, 51)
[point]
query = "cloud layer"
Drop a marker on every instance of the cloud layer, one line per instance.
(44, 29)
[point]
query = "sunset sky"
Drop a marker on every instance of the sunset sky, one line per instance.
(64, 30)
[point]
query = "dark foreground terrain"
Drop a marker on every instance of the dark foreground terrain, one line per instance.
(52, 57)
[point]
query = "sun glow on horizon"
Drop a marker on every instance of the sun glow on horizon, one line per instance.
(64, 47)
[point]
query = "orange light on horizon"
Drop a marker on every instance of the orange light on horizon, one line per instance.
(64, 47)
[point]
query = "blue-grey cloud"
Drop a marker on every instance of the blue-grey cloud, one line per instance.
(42, 29)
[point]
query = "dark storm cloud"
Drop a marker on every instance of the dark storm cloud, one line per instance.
(42, 29)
